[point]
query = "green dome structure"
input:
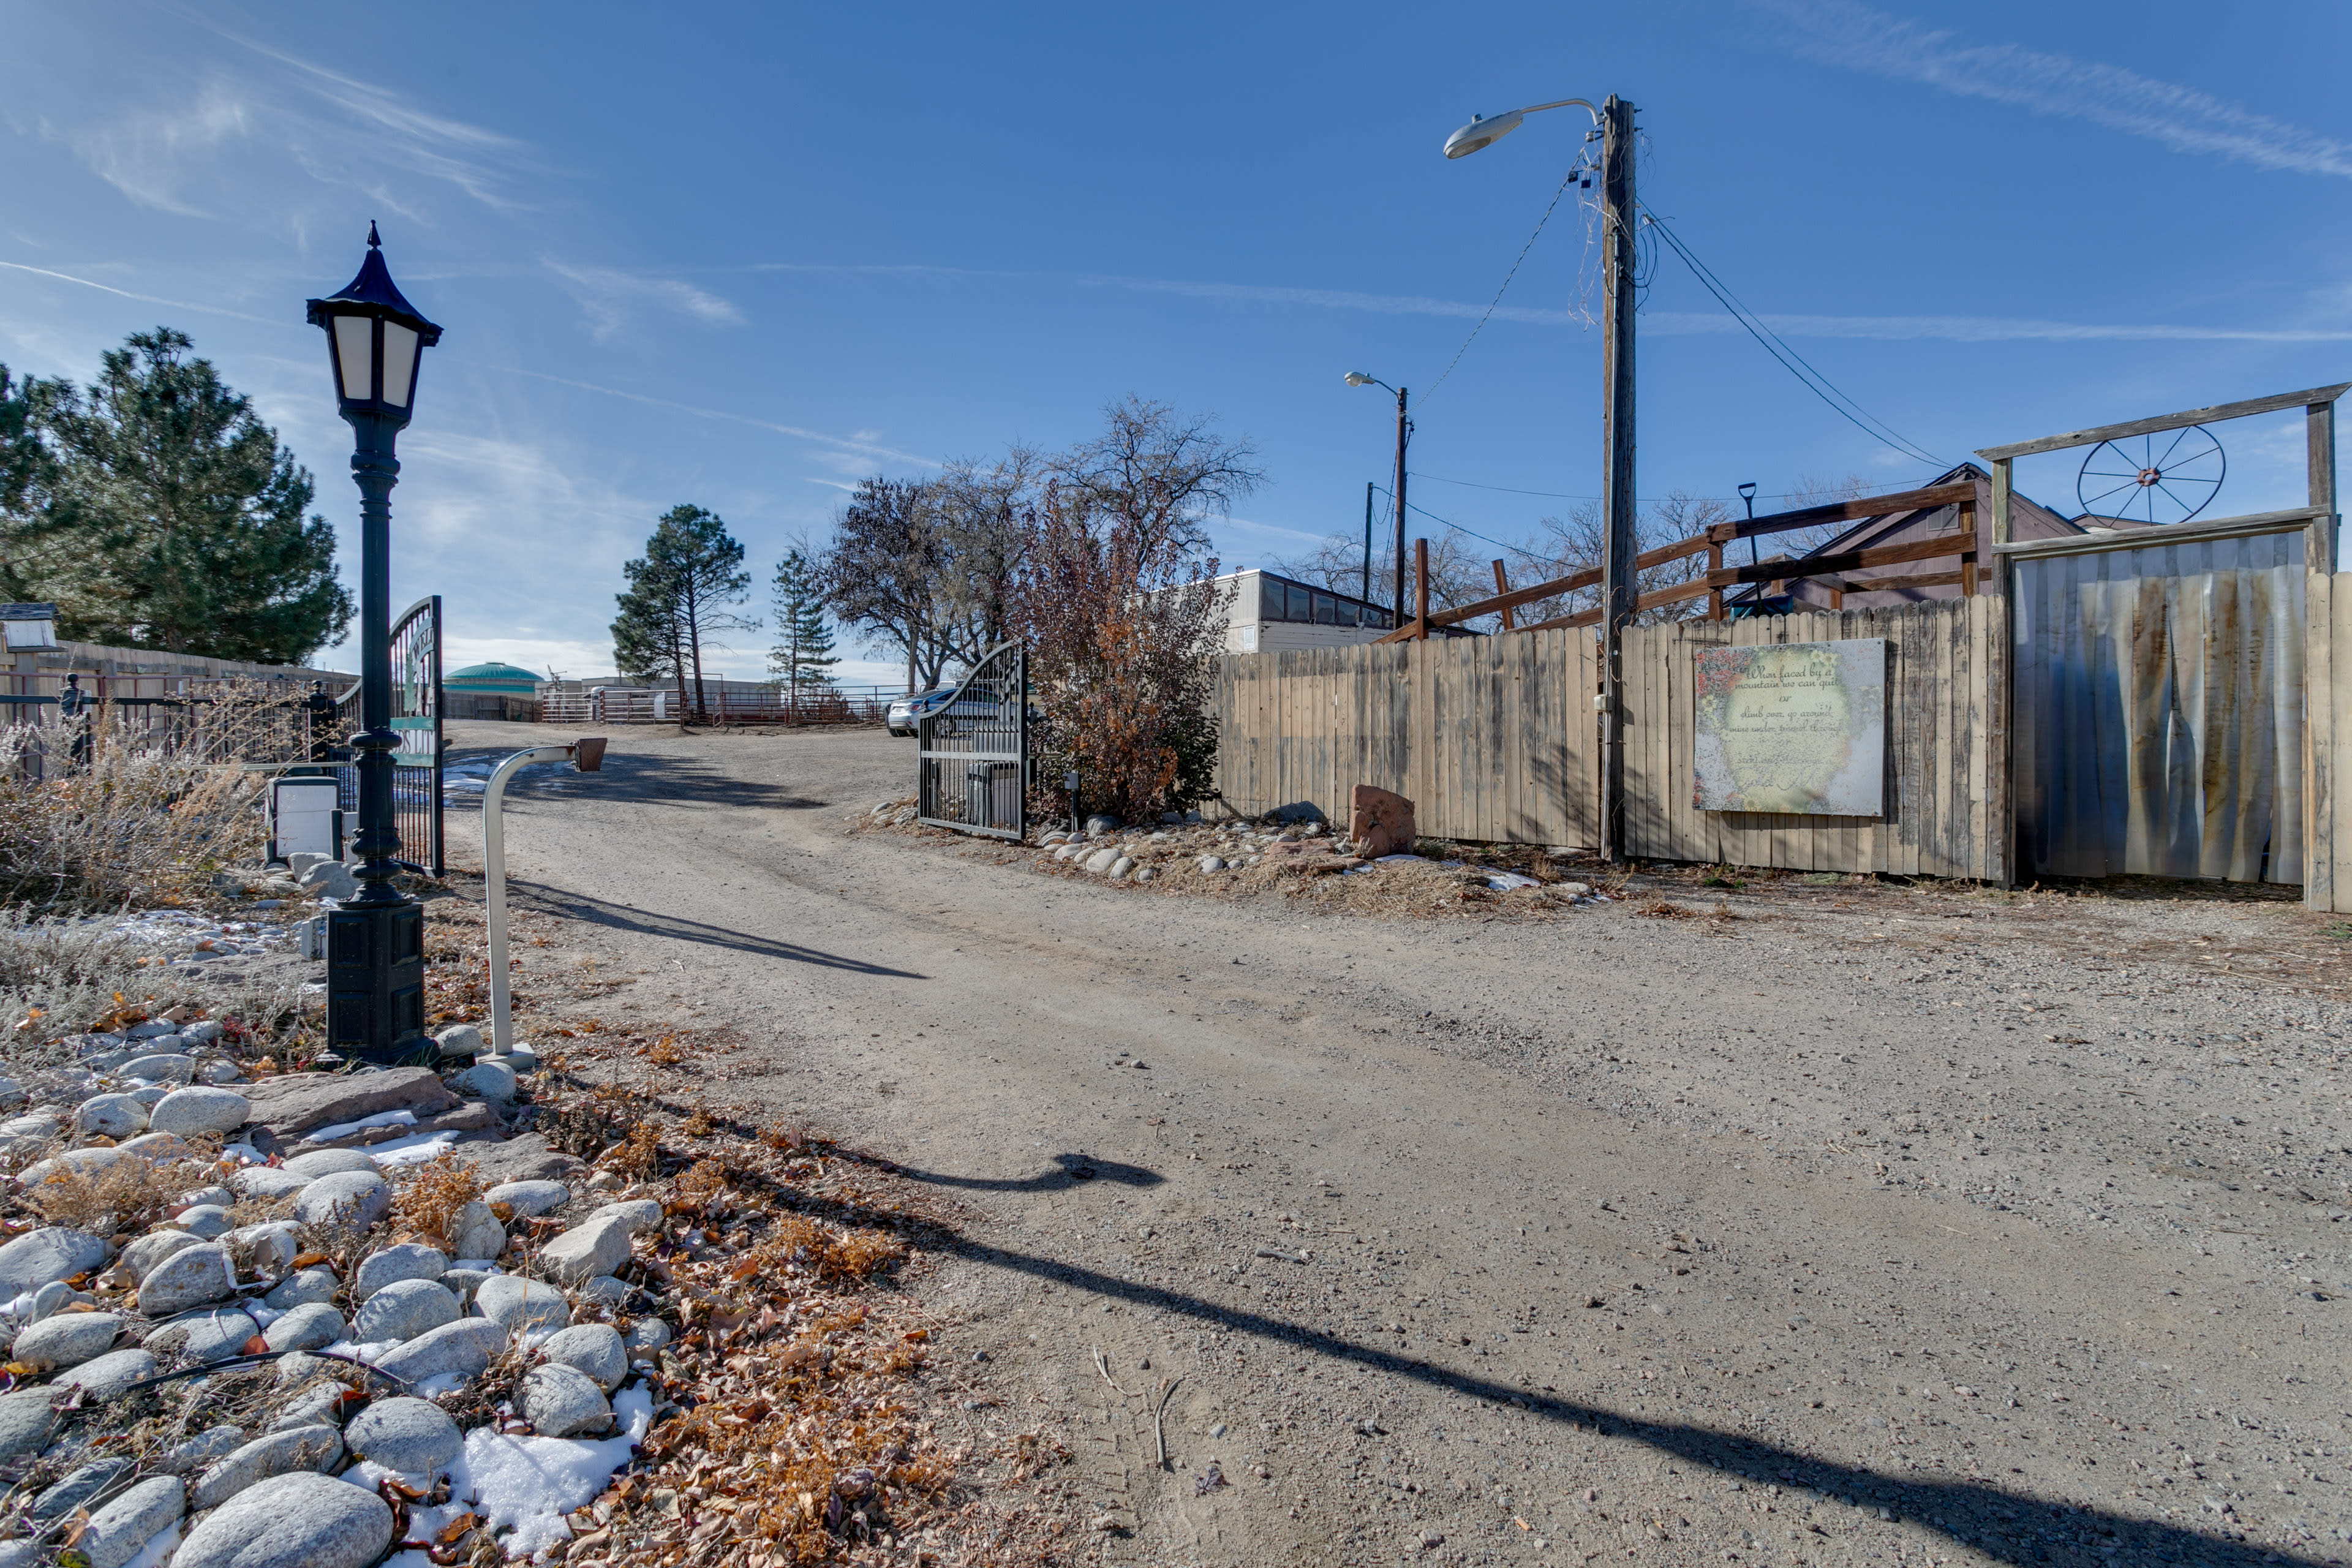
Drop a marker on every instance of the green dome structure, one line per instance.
(491, 691)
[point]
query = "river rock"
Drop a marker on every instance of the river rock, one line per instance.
(415, 1436)
(192, 1276)
(75, 1489)
(53, 1252)
(107, 1376)
(459, 1040)
(1102, 860)
(647, 1335)
(203, 1338)
(79, 1161)
(475, 1232)
(50, 1298)
(168, 1066)
(189, 1112)
(25, 1421)
(592, 1350)
(331, 1163)
(560, 1402)
(212, 1195)
(597, 1246)
(316, 1283)
(488, 1080)
(290, 1104)
(156, 1147)
(266, 1182)
(110, 1116)
(121, 1529)
(203, 1032)
(279, 1453)
(520, 1305)
(212, 1443)
(68, 1339)
(269, 1247)
(357, 1198)
(404, 1310)
(301, 1520)
(205, 1222)
(320, 1405)
(464, 1347)
(312, 1326)
(526, 1198)
(407, 1260)
(526, 1158)
(605, 1291)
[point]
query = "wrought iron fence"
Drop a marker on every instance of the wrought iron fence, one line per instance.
(416, 718)
(972, 750)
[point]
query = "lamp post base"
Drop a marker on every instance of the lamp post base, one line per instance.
(376, 982)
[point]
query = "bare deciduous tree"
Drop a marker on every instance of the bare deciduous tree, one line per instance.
(1162, 475)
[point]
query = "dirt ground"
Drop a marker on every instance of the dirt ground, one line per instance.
(1858, 1223)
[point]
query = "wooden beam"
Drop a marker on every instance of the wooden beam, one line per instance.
(1420, 588)
(1503, 589)
(2319, 461)
(1715, 595)
(1928, 549)
(1968, 562)
(1842, 511)
(2317, 394)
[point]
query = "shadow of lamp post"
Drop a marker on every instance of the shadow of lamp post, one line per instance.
(587, 755)
(375, 942)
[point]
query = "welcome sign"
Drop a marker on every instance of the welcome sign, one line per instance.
(1792, 727)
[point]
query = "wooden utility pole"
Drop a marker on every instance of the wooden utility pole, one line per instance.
(1404, 432)
(1366, 598)
(1618, 586)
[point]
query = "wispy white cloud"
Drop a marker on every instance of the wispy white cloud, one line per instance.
(127, 294)
(1845, 33)
(1955, 329)
(143, 153)
(860, 452)
(603, 291)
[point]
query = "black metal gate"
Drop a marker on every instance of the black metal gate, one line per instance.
(972, 750)
(416, 709)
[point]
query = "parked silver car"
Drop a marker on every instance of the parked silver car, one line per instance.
(915, 705)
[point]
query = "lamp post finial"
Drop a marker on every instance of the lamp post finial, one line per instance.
(374, 243)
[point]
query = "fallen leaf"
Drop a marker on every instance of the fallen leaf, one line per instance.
(457, 1527)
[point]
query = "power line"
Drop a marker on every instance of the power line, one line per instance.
(1646, 500)
(1416, 506)
(1791, 361)
(1573, 175)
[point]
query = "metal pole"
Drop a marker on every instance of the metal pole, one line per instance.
(1404, 429)
(1366, 598)
(494, 879)
(1618, 588)
(375, 943)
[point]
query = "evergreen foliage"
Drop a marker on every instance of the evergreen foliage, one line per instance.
(161, 512)
(804, 653)
(678, 594)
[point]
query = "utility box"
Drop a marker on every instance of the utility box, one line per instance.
(306, 815)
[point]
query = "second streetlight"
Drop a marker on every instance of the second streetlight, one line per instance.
(1404, 433)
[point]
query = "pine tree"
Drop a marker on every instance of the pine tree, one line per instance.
(678, 592)
(183, 517)
(803, 651)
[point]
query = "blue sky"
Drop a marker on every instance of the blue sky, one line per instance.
(744, 256)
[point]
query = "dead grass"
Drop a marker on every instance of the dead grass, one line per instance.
(127, 1194)
(428, 1205)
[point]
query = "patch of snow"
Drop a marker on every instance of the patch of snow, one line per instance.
(1508, 881)
(345, 1129)
(523, 1486)
(159, 1548)
(411, 1150)
(440, 1383)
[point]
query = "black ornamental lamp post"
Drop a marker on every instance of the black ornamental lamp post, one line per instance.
(375, 942)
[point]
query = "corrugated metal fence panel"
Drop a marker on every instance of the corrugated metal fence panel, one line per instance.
(1491, 737)
(2159, 724)
(1944, 673)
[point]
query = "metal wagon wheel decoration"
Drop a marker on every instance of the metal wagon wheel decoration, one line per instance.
(2172, 476)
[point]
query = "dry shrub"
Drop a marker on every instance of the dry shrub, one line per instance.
(439, 1189)
(1659, 906)
(797, 1242)
(638, 1154)
(665, 1052)
(144, 819)
(122, 1195)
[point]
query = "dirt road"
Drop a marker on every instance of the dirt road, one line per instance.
(1922, 1228)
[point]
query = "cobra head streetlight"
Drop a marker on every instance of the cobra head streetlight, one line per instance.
(1613, 119)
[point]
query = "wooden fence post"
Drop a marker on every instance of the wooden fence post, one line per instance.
(1503, 586)
(1714, 595)
(1421, 589)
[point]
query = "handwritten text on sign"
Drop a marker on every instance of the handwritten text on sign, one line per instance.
(1792, 727)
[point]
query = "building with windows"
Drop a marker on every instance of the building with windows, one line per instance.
(1265, 612)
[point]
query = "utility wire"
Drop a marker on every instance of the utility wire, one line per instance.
(1573, 175)
(1416, 506)
(1794, 363)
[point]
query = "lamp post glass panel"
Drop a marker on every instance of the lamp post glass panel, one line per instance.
(375, 943)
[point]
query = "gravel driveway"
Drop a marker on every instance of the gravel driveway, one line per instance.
(1891, 1226)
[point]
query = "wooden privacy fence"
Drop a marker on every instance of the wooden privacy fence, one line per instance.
(1946, 814)
(1492, 738)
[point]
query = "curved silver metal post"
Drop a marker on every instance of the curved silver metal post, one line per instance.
(1580, 103)
(494, 877)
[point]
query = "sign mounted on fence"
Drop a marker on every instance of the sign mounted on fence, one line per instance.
(1792, 727)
